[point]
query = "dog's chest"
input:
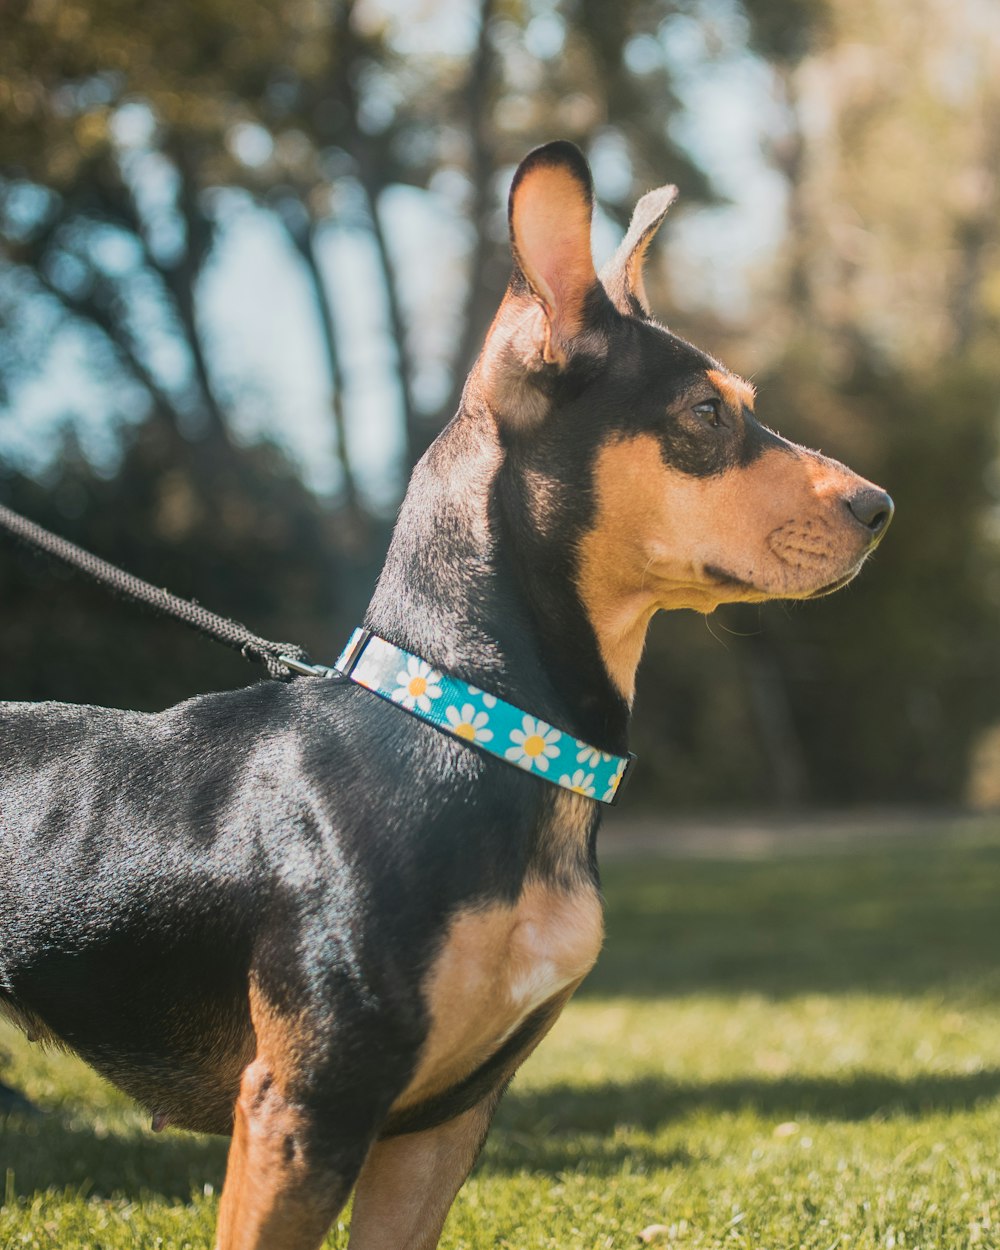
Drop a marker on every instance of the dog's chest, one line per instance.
(496, 966)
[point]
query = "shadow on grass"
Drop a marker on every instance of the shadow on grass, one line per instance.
(567, 1127)
(596, 1154)
(914, 919)
(650, 1103)
(47, 1152)
(561, 1128)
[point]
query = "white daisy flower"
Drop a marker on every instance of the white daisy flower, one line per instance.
(417, 685)
(535, 743)
(586, 754)
(581, 782)
(489, 700)
(468, 723)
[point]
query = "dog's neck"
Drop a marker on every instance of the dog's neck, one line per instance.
(476, 583)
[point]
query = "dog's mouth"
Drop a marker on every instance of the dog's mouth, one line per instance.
(723, 580)
(838, 584)
(726, 581)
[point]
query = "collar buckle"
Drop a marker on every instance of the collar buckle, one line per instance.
(626, 775)
(347, 663)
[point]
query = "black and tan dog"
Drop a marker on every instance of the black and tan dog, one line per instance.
(300, 915)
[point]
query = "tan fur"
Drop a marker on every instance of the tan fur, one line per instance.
(634, 275)
(735, 392)
(776, 528)
(409, 1182)
(272, 1196)
(497, 965)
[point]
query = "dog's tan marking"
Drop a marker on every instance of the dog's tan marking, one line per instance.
(273, 1195)
(497, 965)
(777, 528)
(735, 392)
(408, 1183)
(563, 850)
(287, 1038)
(649, 212)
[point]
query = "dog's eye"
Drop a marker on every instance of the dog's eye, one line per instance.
(710, 410)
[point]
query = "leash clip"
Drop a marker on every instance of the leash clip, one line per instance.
(307, 670)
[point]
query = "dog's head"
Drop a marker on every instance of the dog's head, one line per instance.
(686, 499)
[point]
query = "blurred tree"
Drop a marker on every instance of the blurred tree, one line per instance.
(895, 234)
(117, 131)
(134, 139)
(877, 340)
(128, 134)
(249, 542)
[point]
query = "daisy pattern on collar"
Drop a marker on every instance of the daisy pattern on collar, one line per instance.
(580, 782)
(535, 743)
(490, 723)
(417, 685)
(469, 724)
(588, 755)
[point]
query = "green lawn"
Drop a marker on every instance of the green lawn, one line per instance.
(798, 1052)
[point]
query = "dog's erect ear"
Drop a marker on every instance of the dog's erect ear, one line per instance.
(622, 275)
(550, 210)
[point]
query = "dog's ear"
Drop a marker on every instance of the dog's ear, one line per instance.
(550, 209)
(553, 309)
(622, 275)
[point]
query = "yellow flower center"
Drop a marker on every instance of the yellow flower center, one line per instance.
(465, 730)
(417, 686)
(534, 745)
(579, 790)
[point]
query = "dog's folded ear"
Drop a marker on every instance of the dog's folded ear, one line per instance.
(622, 275)
(550, 209)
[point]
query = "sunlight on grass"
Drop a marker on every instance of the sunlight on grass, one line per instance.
(802, 1052)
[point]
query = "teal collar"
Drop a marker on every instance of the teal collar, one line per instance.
(481, 719)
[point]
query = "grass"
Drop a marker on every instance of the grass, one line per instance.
(796, 1052)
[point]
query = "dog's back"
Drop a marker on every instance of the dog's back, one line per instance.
(123, 894)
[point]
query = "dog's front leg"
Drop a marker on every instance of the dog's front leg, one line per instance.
(409, 1182)
(291, 1166)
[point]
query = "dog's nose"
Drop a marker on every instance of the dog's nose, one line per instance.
(873, 508)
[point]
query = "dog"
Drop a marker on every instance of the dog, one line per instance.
(331, 918)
